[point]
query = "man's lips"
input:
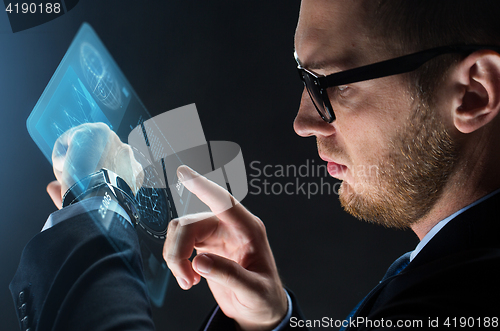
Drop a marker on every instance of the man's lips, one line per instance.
(335, 169)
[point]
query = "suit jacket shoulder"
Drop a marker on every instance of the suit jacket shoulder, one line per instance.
(455, 275)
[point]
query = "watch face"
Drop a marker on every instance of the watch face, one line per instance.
(156, 207)
(154, 211)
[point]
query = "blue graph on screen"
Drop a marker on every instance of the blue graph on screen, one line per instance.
(70, 106)
(99, 77)
(89, 87)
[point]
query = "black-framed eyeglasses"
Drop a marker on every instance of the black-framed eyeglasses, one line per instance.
(316, 85)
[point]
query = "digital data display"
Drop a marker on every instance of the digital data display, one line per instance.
(88, 87)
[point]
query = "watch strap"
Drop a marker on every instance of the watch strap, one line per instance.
(107, 184)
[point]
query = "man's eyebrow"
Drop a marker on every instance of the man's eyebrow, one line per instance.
(317, 65)
(328, 66)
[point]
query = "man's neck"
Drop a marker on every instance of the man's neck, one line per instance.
(440, 211)
(476, 175)
(455, 196)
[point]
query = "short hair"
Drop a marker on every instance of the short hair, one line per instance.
(408, 26)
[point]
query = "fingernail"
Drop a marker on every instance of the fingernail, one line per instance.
(204, 264)
(180, 175)
(185, 173)
(183, 283)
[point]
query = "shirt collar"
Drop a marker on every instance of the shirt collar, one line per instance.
(442, 223)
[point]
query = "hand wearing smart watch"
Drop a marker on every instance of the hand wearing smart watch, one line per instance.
(108, 185)
(85, 150)
(93, 166)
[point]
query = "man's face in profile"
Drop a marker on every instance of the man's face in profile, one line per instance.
(391, 150)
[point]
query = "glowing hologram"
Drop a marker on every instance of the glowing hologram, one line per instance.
(70, 106)
(99, 77)
(86, 87)
(176, 138)
(89, 87)
(153, 200)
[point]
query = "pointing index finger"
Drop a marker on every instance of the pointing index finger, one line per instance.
(214, 196)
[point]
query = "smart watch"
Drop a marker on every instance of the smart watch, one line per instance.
(150, 210)
(107, 184)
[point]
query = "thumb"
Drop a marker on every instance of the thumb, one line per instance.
(224, 272)
(54, 191)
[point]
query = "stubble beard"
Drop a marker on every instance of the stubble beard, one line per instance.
(410, 178)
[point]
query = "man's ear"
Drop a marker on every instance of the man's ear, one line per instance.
(479, 94)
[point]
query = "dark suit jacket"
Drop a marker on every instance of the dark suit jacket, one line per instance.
(78, 275)
(456, 275)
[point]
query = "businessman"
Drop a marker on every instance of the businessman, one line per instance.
(427, 119)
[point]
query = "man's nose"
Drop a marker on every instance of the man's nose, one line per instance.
(308, 122)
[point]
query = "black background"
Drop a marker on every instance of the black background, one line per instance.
(234, 59)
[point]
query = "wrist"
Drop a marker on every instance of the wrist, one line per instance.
(107, 184)
(282, 313)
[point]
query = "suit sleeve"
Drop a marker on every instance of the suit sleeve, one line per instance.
(81, 275)
(220, 322)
